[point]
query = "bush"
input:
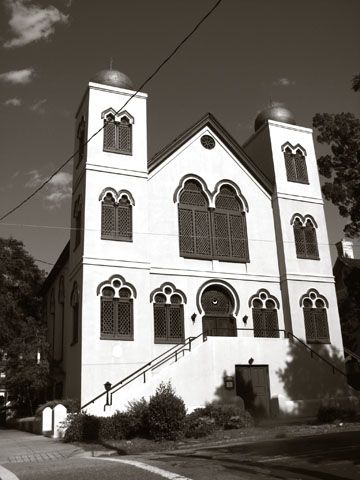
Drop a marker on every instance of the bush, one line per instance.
(138, 418)
(198, 426)
(328, 414)
(228, 416)
(116, 427)
(81, 427)
(167, 413)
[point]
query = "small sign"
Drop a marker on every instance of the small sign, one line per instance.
(229, 383)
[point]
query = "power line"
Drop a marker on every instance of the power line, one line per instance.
(176, 49)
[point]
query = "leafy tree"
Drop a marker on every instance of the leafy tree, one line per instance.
(341, 131)
(22, 330)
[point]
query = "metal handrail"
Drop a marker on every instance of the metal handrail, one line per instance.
(352, 354)
(179, 348)
(140, 371)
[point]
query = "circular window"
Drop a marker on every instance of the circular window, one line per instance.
(207, 142)
(168, 290)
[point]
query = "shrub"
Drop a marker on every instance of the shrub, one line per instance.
(115, 427)
(328, 414)
(138, 418)
(198, 426)
(166, 414)
(81, 427)
(228, 416)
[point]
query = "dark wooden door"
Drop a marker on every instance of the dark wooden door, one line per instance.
(252, 385)
(218, 307)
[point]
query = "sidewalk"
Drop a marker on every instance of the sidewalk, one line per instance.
(20, 447)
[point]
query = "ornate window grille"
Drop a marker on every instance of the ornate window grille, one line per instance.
(305, 238)
(77, 217)
(117, 135)
(117, 312)
(315, 317)
(81, 133)
(218, 233)
(168, 318)
(74, 300)
(264, 313)
(116, 218)
(295, 164)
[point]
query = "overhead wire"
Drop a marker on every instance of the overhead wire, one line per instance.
(157, 69)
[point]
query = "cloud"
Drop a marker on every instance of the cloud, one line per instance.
(283, 82)
(38, 106)
(58, 189)
(13, 102)
(18, 76)
(31, 23)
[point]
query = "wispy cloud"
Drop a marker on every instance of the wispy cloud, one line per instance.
(38, 106)
(13, 102)
(56, 191)
(30, 23)
(283, 82)
(18, 76)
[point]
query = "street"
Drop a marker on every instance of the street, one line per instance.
(333, 456)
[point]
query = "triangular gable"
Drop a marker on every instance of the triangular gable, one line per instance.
(210, 121)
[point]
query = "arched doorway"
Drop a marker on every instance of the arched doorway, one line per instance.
(218, 306)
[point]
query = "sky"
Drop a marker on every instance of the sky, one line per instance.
(302, 54)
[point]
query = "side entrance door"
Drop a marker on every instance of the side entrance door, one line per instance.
(252, 385)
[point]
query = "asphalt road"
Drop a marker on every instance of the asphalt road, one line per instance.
(321, 457)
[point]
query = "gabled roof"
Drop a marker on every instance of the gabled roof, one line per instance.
(210, 121)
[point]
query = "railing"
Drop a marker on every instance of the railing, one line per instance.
(352, 354)
(176, 350)
(156, 362)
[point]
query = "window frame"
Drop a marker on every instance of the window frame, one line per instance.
(168, 308)
(311, 314)
(117, 206)
(119, 126)
(301, 238)
(295, 161)
(115, 302)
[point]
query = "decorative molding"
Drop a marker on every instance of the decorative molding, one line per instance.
(117, 195)
(293, 148)
(303, 219)
(268, 297)
(174, 290)
(232, 184)
(110, 283)
(309, 294)
(192, 176)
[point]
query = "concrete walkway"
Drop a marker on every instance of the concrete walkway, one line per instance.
(23, 447)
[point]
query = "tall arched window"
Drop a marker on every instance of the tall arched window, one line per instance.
(168, 315)
(117, 317)
(81, 132)
(194, 222)
(116, 216)
(315, 317)
(264, 313)
(74, 301)
(295, 164)
(305, 237)
(61, 299)
(117, 134)
(230, 236)
(52, 320)
(77, 217)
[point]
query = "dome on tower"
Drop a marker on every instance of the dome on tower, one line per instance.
(275, 112)
(114, 78)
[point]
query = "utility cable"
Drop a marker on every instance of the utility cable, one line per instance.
(45, 182)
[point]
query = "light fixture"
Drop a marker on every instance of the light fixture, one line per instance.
(251, 361)
(193, 317)
(245, 319)
(107, 387)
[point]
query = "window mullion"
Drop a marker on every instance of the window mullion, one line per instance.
(115, 316)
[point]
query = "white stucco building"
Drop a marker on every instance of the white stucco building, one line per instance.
(211, 251)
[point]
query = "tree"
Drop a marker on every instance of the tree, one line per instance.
(341, 132)
(22, 329)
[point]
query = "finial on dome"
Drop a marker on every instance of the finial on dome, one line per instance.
(274, 112)
(113, 78)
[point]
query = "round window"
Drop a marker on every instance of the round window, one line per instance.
(207, 142)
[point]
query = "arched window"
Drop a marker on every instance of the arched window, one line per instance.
(117, 134)
(305, 237)
(77, 217)
(230, 236)
(295, 165)
(116, 216)
(61, 299)
(74, 301)
(315, 317)
(264, 313)
(194, 222)
(117, 317)
(52, 318)
(81, 141)
(168, 315)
